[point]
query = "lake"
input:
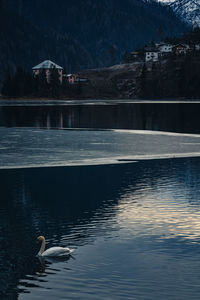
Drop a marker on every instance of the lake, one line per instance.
(127, 201)
(172, 116)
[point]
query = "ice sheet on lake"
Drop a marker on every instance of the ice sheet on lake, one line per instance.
(25, 147)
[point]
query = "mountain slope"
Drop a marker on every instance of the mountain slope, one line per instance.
(106, 28)
(80, 34)
(187, 10)
(22, 44)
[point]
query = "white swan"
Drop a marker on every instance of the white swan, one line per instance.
(54, 251)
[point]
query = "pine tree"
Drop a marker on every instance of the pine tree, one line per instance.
(55, 83)
(143, 83)
(182, 79)
(41, 84)
(79, 88)
(7, 85)
(17, 83)
(126, 57)
(28, 84)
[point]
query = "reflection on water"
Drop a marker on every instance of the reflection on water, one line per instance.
(175, 117)
(135, 229)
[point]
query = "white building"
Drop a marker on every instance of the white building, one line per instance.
(165, 48)
(197, 47)
(151, 55)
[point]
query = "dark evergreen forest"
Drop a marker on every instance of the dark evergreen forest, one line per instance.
(176, 77)
(24, 84)
(78, 34)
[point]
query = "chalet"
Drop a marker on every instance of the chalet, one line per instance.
(74, 78)
(47, 66)
(181, 49)
(164, 48)
(151, 54)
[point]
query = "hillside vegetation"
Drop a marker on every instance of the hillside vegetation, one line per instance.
(81, 34)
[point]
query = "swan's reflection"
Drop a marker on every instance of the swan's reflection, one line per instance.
(45, 266)
(48, 262)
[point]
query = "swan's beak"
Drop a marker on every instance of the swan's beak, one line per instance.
(37, 241)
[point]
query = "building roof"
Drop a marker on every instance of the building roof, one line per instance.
(47, 64)
(181, 45)
(165, 44)
(150, 49)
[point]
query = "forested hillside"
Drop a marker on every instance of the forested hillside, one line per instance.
(79, 34)
(99, 25)
(23, 44)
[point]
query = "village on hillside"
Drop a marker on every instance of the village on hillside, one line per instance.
(160, 70)
(160, 51)
(155, 53)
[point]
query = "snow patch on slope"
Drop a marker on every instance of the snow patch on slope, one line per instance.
(188, 10)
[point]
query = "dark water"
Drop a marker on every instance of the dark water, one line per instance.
(168, 116)
(135, 229)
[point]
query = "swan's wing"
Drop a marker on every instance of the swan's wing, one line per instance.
(57, 251)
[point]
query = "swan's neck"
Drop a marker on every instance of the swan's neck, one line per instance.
(42, 247)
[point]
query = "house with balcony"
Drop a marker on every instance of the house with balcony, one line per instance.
(164, 49)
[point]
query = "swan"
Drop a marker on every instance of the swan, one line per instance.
(54, 251)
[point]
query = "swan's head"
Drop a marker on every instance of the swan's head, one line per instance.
(40, 239)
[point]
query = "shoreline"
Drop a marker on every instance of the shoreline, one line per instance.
(113, 162)
(94, 101)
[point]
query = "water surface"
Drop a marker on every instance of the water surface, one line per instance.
(127, 201)
(135, 229)
(142, 115)
(31, 147)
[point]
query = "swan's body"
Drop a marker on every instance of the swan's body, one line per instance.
(54, 251)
